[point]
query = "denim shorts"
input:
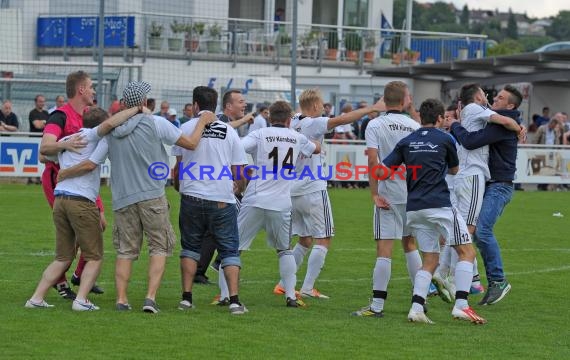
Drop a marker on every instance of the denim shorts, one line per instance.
(200, 216)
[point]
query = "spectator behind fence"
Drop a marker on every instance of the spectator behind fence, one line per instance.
(38, 116)
(542, 120)
(59, 102)
(8, 120)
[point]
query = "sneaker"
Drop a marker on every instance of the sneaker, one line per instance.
(96, 289)
(467, 314)
(123, 307)
(185, 305)
(65, 291)
(83, 306)
(41, 305)
(496, 292)
(150, 306)
(220, 302)
(314, 293)
(238, 309)
(295, 303)
(201, 279)
(442, 289)
(367, 311)
(476, 289)
(421, 317)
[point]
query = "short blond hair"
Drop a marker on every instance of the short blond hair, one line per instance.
(309, 97)
(394, 93)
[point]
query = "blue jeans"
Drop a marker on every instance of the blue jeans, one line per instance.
(497, 196)
(199, 218)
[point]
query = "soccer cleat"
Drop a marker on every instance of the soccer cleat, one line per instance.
(150, 306)
(432, 290)
(368, 312)
(41, 305)
(220, 302)
(295, 303)
(83, 305)
(467, 314)
(442, 289)
(122, 307)
(280, 290)
(476, 289)
(420, 317)
(65, 291)
(238, 309)
(185, 305)
(496, 292)
(314, 293)
(201, 279)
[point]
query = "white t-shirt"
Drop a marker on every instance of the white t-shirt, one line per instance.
(314, 129)
(382, 134)
(474, 117)
(206, 171)
(86, 185)
(258, 123)
(273, 150)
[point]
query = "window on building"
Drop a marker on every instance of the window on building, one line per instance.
(356, 13)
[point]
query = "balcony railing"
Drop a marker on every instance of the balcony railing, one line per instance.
(241, 40)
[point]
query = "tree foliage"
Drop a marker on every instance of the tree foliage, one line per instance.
(512, 28)
(464, 18)
(507, 47)
(560, 28)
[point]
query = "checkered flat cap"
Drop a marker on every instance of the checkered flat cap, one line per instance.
(135, 92)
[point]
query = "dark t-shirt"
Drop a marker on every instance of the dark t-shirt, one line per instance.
(433, 151)
(11, 119)
(37, 115)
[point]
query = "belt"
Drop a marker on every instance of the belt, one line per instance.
(193, 198)
(73, 197)
(499, 182)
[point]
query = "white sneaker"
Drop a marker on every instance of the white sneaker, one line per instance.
(41, 305)
(185, 305)
(238, 309)
(415, 316)
(83, 306)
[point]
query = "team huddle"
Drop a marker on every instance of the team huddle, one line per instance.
(425, 212)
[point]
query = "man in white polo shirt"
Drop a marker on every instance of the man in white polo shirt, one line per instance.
(75, 214)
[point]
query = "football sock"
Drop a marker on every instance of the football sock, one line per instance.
(299, 252)
(463, 277)
(224, 291)
(476, 278)
(413, 263)
(314, 265)
(287, 270)
(380, 279)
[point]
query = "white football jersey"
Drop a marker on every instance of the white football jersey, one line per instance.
(206, 171)
(314, 129)
(382, 134)
(275, 150)
(474, 117)
(86, 185)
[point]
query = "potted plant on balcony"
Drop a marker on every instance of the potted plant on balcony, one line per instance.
(175, 43)
(370, 44)
(284, 41)
(155, 36)
(353, 43)
(193, 34)
(215, 39)
(332, 45)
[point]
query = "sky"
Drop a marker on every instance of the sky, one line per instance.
(533, 8)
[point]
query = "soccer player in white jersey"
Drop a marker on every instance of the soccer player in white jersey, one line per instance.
(429, 211)
(75, 214)
(267, 200)
(208, 204)
(469, 184)
(389, 197)
(312, 215)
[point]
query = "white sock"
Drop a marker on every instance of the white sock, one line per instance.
(299, 252)
(314, 266)
(288, 270)
(463, 277)
(453, 261)
(444, 260)
(223, 284)
(476, 279)
(421, 288)
(413, 263)
(380, 279)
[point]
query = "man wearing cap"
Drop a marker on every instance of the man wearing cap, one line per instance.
(138, 173)
(172, 117)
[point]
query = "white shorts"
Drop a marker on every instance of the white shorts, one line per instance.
(428, 224)
(469, 192)
(312, 215)
(390, 224)
(277, 225)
